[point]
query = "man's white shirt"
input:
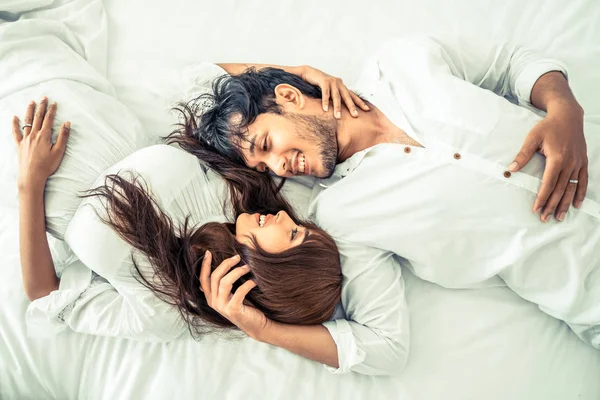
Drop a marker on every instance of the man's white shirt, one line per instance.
(451, 212)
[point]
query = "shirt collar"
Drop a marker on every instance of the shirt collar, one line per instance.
(345, 168)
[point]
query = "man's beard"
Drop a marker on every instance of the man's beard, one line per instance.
(321, 132)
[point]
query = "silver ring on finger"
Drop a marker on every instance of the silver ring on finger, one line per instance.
(27, 126)
(575, 181)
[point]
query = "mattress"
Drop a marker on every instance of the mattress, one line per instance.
(466, 344)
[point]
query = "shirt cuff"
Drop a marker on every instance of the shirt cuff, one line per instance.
(42, 316)
(530, 75)
(349, 354)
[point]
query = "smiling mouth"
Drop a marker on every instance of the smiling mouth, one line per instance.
(300, 164)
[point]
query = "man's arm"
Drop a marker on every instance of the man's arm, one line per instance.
(331, 87)
(551, 93)
(239, 68)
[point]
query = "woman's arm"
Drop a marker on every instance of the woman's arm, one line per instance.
(332, 88)
(375, 338)
(38, 159)
(37, 268)
(312, 341)
(309, 341)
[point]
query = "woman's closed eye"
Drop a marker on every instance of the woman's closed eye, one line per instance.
(294, 233)
(264, 145)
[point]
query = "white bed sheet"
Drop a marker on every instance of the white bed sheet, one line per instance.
(475, 344)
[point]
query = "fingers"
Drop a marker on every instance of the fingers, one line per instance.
(567, 197)
(29, 118)
(220, 271)
(241, 292)
(205, 274)
(16, 130)
(325, 93)
(337, 101)
(549, 180)
(527, 151)
(555, 196)
(581, 186)
(349, 102)
(226, 285)
(359, 102)
(49, 120)
(60, 146)
(40, 114)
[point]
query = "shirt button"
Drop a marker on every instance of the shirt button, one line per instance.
(507, 174)
(407, 150)
(456, 156)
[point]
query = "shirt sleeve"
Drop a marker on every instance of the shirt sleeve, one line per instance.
(123, 307)
(508, 69)
(374, 337)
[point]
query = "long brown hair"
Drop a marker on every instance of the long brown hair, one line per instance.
(250, 191)
(301, 285)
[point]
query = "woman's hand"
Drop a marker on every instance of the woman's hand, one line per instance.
(217, 290)
(333, 88)
(38, 157)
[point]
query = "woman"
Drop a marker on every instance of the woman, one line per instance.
(271, 255)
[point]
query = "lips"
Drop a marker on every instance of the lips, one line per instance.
(300, 165)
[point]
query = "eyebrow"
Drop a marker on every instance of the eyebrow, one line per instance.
(252, 145)
(306, 235)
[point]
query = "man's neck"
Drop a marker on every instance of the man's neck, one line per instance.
(369, 129)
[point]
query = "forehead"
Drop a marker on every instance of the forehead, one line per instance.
(248, 139)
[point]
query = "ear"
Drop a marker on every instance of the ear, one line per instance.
(289, 96)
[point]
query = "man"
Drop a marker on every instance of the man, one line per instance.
(428, 178)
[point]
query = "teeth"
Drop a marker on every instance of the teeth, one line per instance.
(301, 161)
(261, 221)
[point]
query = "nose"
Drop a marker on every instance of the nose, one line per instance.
(282, 217)
(279, 165)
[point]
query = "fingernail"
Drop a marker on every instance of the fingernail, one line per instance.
(31, 102)
(68, 126)
(355, 112)
(367, 107)
(513, 167)
(538, 210)
(206, 253)
(545, 218)
(44, 99)
(561, 216)
(578, 204)
(338, 114)
(236, 256)
(326, 107)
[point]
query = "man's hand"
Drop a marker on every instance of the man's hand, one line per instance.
(560, 138)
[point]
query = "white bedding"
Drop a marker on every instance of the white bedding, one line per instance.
(466, 344)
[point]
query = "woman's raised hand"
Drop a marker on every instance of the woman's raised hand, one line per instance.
(333, 89)
(217, 288)
(38, 157)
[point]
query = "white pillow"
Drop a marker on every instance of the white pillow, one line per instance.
(45, 57)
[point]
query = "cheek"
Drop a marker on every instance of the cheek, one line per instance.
(271, 239)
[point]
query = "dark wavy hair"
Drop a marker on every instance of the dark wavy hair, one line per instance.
(301, 285)
(234, 104)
